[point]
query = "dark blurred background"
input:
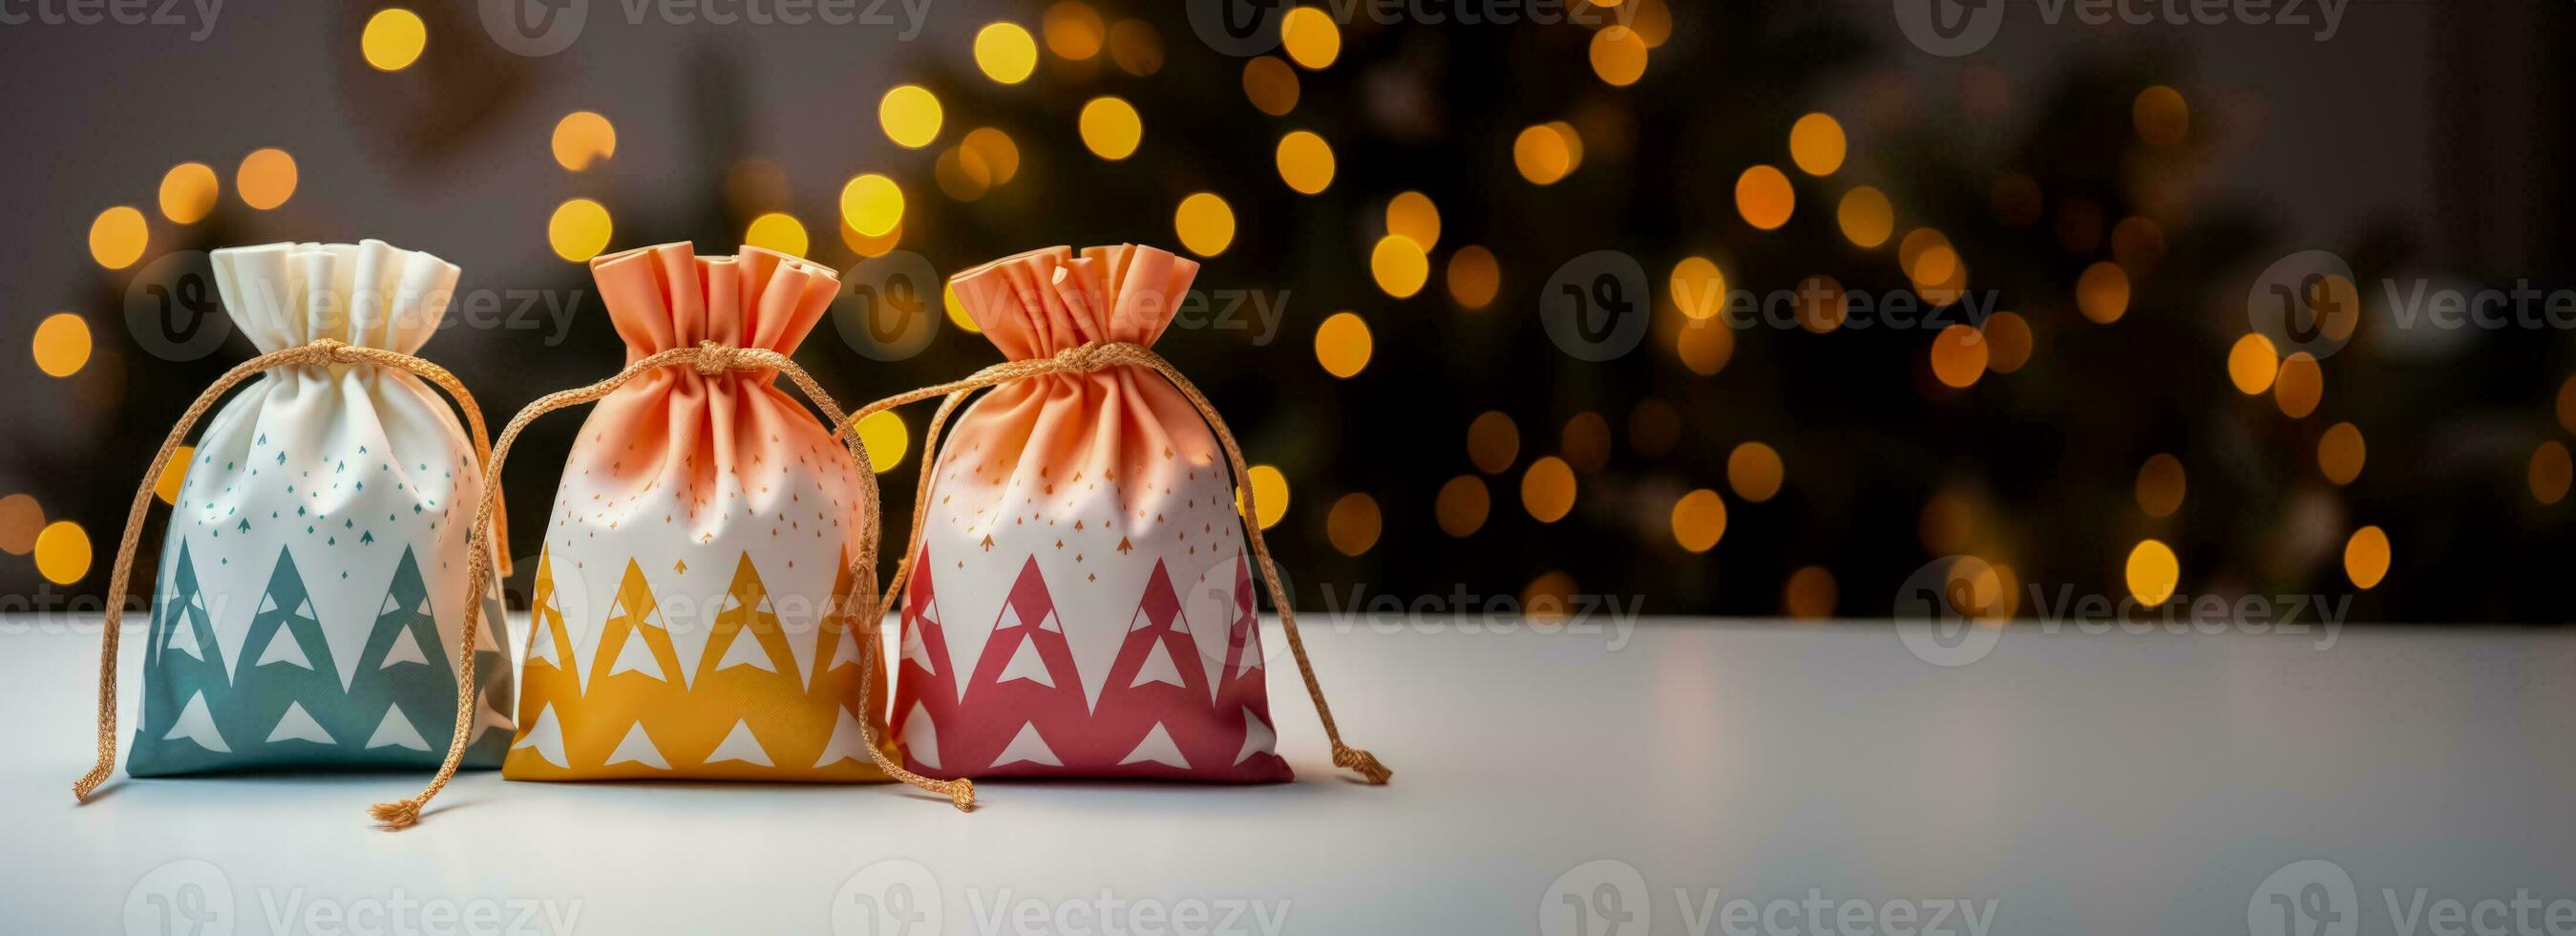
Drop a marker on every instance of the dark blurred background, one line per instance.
(2128, 192)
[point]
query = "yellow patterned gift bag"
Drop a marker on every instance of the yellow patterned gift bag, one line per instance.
(703, 607)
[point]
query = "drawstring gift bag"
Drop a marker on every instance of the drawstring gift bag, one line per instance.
(313, 583)
(692, 615)
(1080, 588)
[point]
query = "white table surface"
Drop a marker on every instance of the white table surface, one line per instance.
(2118, 783)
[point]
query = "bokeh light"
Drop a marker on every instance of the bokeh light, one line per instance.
(1073, 30)
(2366, 557)
(886, 438)
(1111, 128)
(1866, 217)
(1618, 55)
(1585, 442)
(1353, 524)
(2300, 386)
(1764, 198)
(1412, 215)
(1269, 494)
(871, 204)
(173, 474)
(1271, 85)
(266, 178)
(2152, 572)
(579, 230)
(2161, 485)
(1343, 345)
(583, 139)
(2102, 293)
(1810, 594)
(910, 116)
(62, 344)
(1136, 46)
(1959, 355)
(2549, 472)
(1816, 144)
(2341, 452)
(1754, 472)
(1205, 224)
(777, 231)
(1399, 266)
(1547, 489)
(1305, 161)
(2160, 116)
(21, 520)
(393, 39)
(188, 192)
(2251, 364)
(1311, 37)
(1463, 505)
(1493, 442)
(62, 552)
(1474, 277)
(1541, 155)
(1699, 520)
(994, 148)
(1005, 52)
(1699, 287)
(117, 238)
(2008, 342)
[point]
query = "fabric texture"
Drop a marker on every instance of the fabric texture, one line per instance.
(689, 602)
(1081, 604)
(312, 583)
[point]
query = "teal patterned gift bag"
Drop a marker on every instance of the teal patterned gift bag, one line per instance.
(311, 593)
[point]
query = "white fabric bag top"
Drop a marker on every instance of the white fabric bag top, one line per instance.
(311, 586)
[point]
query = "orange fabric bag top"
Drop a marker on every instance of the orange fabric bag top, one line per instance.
(691, 595)
(1081, 595)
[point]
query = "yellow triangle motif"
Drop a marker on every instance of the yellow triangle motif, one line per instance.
(628, 706)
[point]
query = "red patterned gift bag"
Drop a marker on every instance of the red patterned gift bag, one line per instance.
(1081, 591)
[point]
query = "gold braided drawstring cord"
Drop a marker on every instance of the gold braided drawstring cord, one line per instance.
(321, 352)
(1093, 358)
(708, 359)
